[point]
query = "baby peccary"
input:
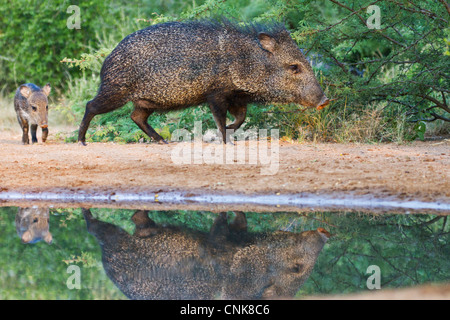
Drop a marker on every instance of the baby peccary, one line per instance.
(176, 65)
(228, 262)
(31, 106)
(32, 224)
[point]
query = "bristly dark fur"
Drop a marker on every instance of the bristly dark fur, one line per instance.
(221, 62)
(272, 28)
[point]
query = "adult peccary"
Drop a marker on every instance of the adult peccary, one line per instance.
(176, 65)
(32, 224)
(31, 105)
(228, 262)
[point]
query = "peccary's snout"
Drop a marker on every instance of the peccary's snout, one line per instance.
(314, 97)
(324, 232)
(323, 103)
(43, 117)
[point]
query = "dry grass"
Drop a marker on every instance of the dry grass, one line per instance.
(370, 125)
(8, 119)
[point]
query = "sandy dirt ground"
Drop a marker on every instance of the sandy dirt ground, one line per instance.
(423, 292)
(416, 171)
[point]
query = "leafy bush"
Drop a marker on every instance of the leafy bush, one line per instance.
(386, 83)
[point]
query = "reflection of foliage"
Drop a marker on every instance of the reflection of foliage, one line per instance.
(38, 271)
(86, 260)
(409, 249)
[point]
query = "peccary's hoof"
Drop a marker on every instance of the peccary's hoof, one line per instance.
(82, 143)
(162, 141)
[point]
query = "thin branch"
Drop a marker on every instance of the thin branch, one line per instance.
(424, 12)
(446, 5)
(396, 54)
(340, 64)
(364, 22)
(437, 102)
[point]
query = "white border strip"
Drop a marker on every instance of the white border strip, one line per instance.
(313, 201)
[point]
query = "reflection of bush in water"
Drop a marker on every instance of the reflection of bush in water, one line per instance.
(409, 249)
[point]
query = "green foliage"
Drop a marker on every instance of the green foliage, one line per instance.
(398, 74)
(420, 129)
(39, 271)
(34, 36)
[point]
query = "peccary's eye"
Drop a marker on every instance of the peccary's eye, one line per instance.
(46, 107)
(295, 68)
(34, 108)
(35, 220)
(296, 268)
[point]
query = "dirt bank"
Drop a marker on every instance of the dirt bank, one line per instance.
(417, 171)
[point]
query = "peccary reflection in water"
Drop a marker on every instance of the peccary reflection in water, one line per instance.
(228, 262)
(32, 224)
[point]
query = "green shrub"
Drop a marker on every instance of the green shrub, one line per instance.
(397, 76)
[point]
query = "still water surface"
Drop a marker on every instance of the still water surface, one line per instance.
(107, 253)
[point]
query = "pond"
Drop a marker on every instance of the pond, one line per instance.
(109, 251)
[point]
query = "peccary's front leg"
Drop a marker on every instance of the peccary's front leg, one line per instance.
(145, 227)
(33, 133)
(219, 109)
(143, 109)
(239, 223)
(44, 134)
(24, 125)
(221, 229)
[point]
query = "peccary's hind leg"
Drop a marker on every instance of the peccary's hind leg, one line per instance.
(103, 231)
(239, 113)
(100, 104)
(33, 133)
(142, 110)
(219, 230)
(85, 125)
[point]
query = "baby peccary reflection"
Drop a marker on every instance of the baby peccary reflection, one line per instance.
(32, 225)
(176, 65)
(31, 106)
(228, 262)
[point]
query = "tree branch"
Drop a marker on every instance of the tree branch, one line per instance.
(446, 5)
(364, 22)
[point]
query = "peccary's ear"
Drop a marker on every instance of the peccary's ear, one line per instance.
(25, 91)
(46, 89)
(267, 42)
